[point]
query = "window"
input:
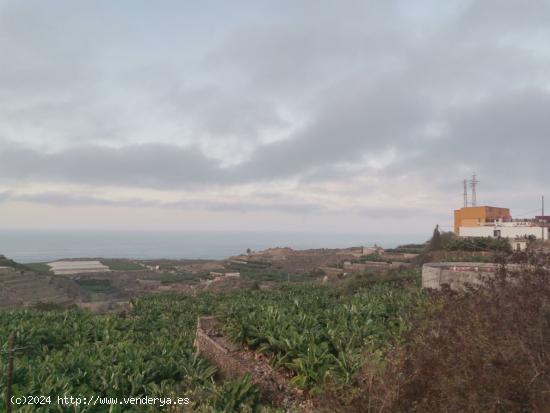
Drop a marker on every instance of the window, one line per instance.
(496, 233)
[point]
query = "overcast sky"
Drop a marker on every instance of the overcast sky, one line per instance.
(361, 116)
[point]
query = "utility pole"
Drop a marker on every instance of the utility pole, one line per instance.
(465, 193)
(543, 220)
(11, 339)
(474, 183)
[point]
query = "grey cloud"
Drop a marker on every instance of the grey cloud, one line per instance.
(62, 199)
(6, 196)
(51, 89)
(506, 15)
(219, 114)
(357, 122)
(366, 112)
(300, 50)
(276, 203)
(503, 138)
(498, 136)
(395, 213)
(361, 79)
(148, 165)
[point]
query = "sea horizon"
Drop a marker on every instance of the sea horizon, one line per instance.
(42, 245)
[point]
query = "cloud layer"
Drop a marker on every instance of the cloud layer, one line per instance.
(355, 107)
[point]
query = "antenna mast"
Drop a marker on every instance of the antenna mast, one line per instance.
(465, 193)
(474, 183)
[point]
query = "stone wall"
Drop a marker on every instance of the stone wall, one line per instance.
(352, 267)
(457, 275)
(233, 362)
(220, 355)
(399, 256)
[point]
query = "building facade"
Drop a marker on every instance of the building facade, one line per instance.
(473, 217)
(512, 230)
(486, 221)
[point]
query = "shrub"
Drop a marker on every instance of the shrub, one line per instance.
(374, 257)
(409, 248)
(478, 244)
(486, 350)
(435, 242)
(240, 395)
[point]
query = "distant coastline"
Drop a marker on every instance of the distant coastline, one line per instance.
(46, 245)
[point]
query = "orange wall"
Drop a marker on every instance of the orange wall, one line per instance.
(473, 216)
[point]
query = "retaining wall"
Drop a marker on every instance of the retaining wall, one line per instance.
(458, 274)
(372, 265)
(233, 362)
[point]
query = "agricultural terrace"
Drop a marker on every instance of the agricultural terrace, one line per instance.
(313, 333)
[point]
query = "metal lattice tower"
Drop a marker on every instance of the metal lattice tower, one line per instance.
(473, 184)
(465, 193)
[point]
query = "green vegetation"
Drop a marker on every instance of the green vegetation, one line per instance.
(372, 343)
(98, 286)
(122, 265)
(448, 241)
(484, 350)
(180, 277)
(6, 262)
(39, 267)
(149, 353)
(436, 242)
(273, 275)
(263, 271)
(477, 244)
(314, 332)
(407, 249)
(374, 257)
(250, 266)
(403, 277)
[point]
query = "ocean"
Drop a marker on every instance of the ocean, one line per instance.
(39, 246)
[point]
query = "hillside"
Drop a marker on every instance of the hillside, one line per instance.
(23, 288)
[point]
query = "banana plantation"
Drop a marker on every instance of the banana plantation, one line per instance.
(312, 333)
(315, 333)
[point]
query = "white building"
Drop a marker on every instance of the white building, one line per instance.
(514, 229)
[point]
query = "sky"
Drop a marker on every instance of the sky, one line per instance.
(326, 116)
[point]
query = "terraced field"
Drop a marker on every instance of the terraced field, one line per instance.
(24, 288)
(150, 351)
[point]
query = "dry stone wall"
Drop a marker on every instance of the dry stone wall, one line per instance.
(233, 362)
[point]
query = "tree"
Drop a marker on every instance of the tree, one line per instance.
(435, 242)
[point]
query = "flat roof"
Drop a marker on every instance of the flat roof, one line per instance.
(483, 206)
